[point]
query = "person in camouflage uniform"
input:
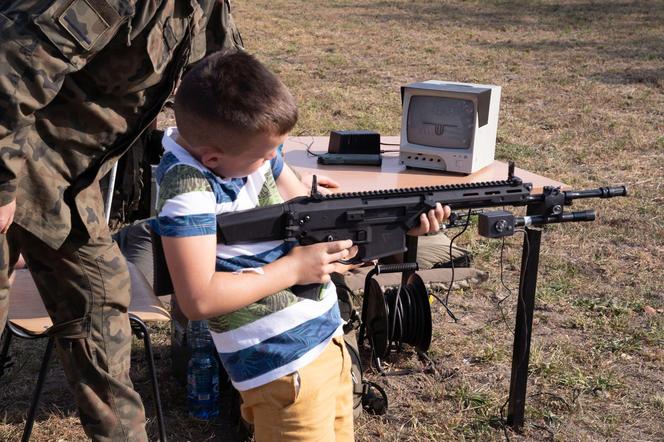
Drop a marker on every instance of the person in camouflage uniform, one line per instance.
(80, 81)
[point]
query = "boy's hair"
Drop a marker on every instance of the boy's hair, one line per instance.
(231, 91)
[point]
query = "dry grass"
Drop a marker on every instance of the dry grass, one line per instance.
(583, 102)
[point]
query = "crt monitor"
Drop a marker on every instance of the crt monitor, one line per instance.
(449, 126)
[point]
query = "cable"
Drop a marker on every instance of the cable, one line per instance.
(407, 316)
(314, 154)
(389, 144)
(509, 291)
(430, 363)
(449, 289)
(307, 147)
(372, 403)
(503, 420)
(397, 312)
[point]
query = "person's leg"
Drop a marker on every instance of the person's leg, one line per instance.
(343, 421)
(302, 406)
(4, 281)
(8, 257)
(85, 286)
(135, 242)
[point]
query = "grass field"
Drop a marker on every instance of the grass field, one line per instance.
(583, 103)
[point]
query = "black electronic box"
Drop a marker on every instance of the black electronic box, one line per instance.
(354, 142)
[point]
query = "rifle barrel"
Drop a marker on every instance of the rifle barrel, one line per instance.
(601, 192)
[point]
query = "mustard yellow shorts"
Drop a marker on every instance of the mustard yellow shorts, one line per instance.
(314, 403)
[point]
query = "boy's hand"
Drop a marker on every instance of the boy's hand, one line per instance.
(314, 263)
(431, 221)
(324, 182)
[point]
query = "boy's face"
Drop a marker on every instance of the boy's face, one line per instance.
(246, 157)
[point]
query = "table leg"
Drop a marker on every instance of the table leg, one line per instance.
(523, 328)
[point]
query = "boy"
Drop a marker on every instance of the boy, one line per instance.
(280, 342)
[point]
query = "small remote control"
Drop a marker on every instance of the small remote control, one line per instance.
(350, 158)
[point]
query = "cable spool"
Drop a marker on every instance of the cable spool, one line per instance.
(398, 316)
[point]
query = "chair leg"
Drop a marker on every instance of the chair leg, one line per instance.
(141, 331)
(5, 360)
(37, 393)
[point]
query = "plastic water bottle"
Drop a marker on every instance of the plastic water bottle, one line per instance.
(202, 373)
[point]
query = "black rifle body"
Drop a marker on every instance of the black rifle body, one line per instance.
(376, 221)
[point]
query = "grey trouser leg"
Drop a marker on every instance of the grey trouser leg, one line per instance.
(135, 243)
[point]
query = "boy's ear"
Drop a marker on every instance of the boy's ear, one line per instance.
(211, 158)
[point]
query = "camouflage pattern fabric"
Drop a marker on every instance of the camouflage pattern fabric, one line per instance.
(74, 98)
(91, 325)
(4, 282)
(80, 80)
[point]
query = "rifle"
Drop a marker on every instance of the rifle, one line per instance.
(377, 221)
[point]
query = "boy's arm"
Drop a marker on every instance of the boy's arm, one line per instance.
(187, 225)
(289, 184)
(202, 292)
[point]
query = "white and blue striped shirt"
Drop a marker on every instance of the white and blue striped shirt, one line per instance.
(278, 334)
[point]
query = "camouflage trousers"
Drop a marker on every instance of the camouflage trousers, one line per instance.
(85, 287)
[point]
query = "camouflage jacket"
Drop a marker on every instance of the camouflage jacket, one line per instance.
(79, 82)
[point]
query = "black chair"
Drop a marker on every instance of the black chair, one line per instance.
(28, 319)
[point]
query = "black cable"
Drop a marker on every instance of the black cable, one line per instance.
(404, 315)
(307, 147)
(310, 153)
(437, 298)
(390, 144)
(430, 362)
(395, 314)
(503, 421)
(447, 309)
(509, 291)
(449, 289)
(371, 403)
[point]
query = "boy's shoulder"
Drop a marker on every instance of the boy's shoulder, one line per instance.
(178, 170)
(176, 178)
(185, 176)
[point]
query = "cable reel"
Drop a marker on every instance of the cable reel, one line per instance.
(398, 315)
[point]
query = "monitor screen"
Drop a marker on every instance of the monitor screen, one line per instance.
(440, 121)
